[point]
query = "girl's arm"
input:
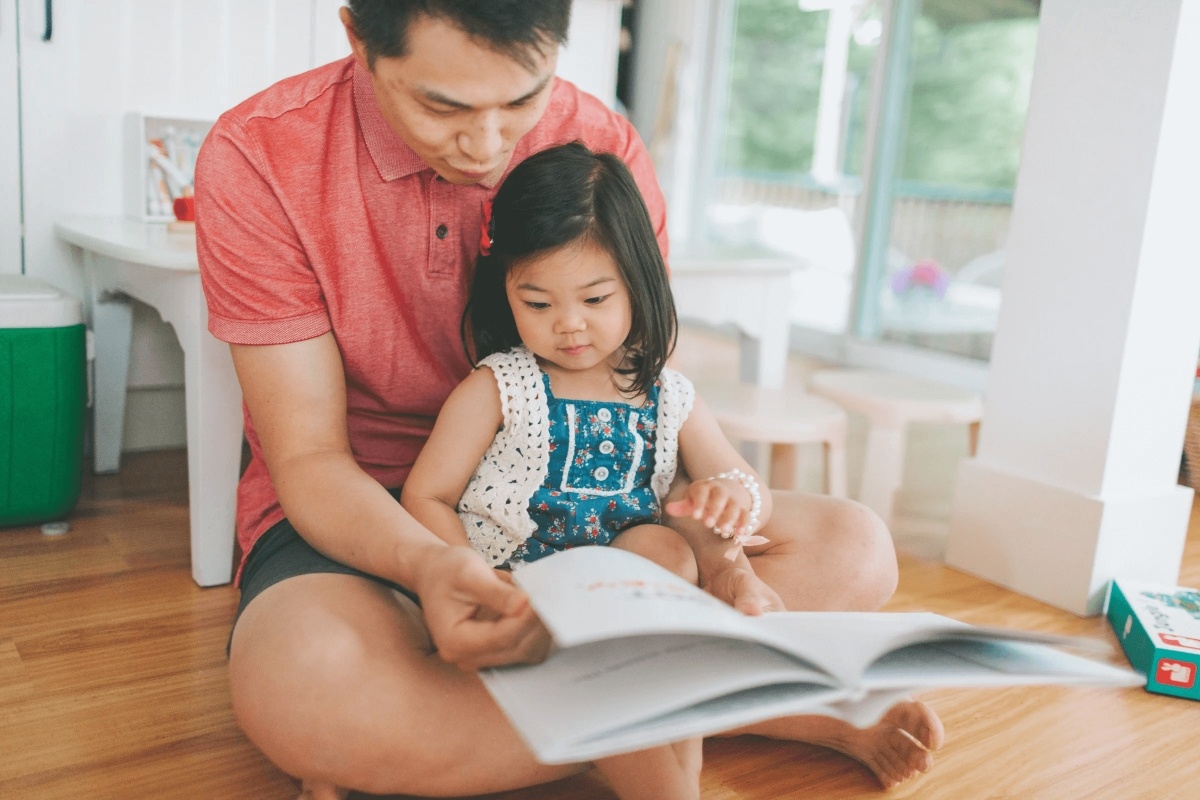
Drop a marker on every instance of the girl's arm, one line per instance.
(725, 503)
(705, 453)
(464, 430)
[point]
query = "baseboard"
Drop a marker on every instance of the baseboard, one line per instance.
(1059, 545)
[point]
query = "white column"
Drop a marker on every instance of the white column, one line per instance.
(1091, 372)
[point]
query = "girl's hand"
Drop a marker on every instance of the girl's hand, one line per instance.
(476, 617)
(722, 504)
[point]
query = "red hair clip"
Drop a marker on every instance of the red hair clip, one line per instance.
(485, 236)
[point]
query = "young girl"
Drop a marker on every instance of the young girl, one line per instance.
(572, 429)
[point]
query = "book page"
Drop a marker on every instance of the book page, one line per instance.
(850, 644)
(582, 693)
(592, 593)
(967, 662)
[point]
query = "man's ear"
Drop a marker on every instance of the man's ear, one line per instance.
(357, 48)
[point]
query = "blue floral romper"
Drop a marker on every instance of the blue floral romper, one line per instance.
(598, 479)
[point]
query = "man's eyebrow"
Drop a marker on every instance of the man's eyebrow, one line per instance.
(433, 95)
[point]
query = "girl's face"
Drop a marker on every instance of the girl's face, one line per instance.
(572, 307)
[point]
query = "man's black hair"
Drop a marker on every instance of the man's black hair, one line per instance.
(515, 28)
(562, 196)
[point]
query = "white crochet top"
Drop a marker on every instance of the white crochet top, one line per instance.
(494, 508)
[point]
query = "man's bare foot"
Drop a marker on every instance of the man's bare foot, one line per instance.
(900, 745)
(895, 749)
(315, 790)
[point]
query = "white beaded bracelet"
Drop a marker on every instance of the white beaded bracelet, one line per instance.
(746, 535)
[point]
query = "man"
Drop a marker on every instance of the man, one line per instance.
(338, 213)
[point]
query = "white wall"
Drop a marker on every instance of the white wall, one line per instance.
(165, 58)
(10, 189)
(590, 58)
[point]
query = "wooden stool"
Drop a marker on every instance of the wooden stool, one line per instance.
(890, 402)
(783, 419)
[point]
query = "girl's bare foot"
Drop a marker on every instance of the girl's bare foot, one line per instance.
(669, 772)
(895, 749)
(315, 790)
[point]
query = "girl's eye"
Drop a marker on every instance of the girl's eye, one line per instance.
(595, 301)
(537, 306)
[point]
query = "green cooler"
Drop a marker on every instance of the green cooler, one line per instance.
(43, 400)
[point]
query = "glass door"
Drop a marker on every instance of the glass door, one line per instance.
(952, 114)
(785, 146)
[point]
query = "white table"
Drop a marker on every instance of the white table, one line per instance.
(754, 296)
(124, 258)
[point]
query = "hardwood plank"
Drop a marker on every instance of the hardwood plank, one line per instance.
(15, 686)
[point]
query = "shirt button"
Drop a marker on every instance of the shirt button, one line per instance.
(604, 415)
(606, 447)
(442, 230)
(601, 473)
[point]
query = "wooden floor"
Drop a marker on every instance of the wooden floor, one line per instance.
(113, 684)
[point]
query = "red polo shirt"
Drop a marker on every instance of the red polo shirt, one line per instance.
(314, 216)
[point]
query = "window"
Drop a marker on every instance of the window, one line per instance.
(788, 136)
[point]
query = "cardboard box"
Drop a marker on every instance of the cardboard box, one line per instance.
(1159, 628)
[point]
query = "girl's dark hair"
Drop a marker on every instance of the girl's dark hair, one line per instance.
(567, 195)
(515, 28)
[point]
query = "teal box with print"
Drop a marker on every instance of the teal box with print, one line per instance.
(1159, 629)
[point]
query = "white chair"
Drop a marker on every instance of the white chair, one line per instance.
(890, 402)
(782, 419)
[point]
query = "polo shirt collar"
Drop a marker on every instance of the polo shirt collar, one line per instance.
(393, 158)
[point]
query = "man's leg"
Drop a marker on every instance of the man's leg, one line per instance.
(333, 677)
(826, 554)
(830, 554)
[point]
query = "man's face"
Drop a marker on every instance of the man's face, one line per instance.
(459, 105)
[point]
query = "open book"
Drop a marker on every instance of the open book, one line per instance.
(644, 658)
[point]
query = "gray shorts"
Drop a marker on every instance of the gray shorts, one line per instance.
(281, 553)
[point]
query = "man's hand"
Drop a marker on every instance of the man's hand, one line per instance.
(741, 588)
(475, 615)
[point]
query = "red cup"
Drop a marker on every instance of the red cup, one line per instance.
(185, 209)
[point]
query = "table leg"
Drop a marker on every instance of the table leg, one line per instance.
(784, 458)
(214, 437)
(883, 464)
(112, 326)
(835, 468)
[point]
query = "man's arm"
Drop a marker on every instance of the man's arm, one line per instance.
(296, 395)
